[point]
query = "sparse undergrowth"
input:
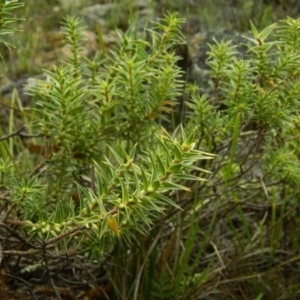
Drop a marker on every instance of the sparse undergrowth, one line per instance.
(97, 197)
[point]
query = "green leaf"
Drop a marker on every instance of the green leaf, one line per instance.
(267, 31)
(145, 180)
(175, 168)
(162, 167)
(125, 196)
(187, 177)
(165, 200)
(254, 30)
(116, 155)
(177, 152)
(168, 185)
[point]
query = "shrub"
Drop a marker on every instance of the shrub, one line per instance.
(236, 237)
(96, 178)
(102, 169)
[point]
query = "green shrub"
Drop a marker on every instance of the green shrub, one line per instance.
(102, 169)
(6, 8)
(99, 119)
(97, 178)
(235, 227)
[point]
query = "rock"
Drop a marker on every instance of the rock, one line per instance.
(9, 85)
(98, 13)
(199, 48)
(117, 15)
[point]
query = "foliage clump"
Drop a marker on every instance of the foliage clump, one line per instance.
(251, 121)
(96, 177)
(103, 166)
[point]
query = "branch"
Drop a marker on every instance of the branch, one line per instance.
(18, 132)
